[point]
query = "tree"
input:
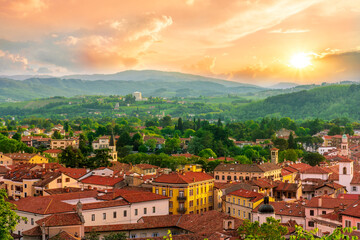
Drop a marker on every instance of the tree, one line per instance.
(151, 144)
(313, 159)
(72, 157)
(242, 159)
(335, 130)
(57, 135)
(271, 229)
(348, 129)
(280, 143)
(172, 145)
(17, 136)
(165, 121)
(207, 153)
(180, 125)
(101, 159)
(137, 140)
(290, 155)
(124, 139)
(338, 233)
(92, 235)
(291, 142)
(143, 148)
(8, 217)
(66, 126)
(115, 236)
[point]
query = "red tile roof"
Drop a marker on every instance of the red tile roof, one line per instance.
(183, 178)
(35, 231)
(64, 219)
(295, 209)
(103, 181)
(64, 236)
(145, 166)
(353, 210)
(254, 196)
(131, 196)
(53, 151)
(73, 172)
(327, 202)
(315, 170)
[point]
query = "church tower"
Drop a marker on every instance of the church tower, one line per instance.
(344, 146)
(265, 211)
(112, 147)
(274, 155)
(346, 173)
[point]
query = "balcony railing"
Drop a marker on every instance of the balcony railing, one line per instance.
(181, 210)
(181, 198)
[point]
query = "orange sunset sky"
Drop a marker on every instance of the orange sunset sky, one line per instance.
(253, 41)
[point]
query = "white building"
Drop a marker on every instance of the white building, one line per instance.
(137, 95)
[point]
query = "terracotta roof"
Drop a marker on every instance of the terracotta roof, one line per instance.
(20, 156)
(332, 185)
(315, 170)
(183, 178)
(53, 151)
(64, 219)
(286, 208)
(286, 187)
(64, 236)
(300, 167)
(327, 202)
(247, 167)
(353, 210)
(47, 178)
(145, 166)
(187, 155)
(131, 196)
(103, 181)
(73, 172)
(262, 183)
(349, 196)
(64, 190)
(35, 231)
(355, 179)
(254, 196)
(225, 158)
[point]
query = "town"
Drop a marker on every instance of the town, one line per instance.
(129, 178)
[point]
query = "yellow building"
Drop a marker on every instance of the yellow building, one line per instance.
(145, 169)
(190, 168)
(5, 161)
(27, 158)
(189, 192)
(240, 203)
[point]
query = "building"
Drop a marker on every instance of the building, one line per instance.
(101, 143)
(331, 189)
(285, 212)
(5, 160)
(26, 158)
(240, 203)
(64, 143)
(285, 191)
(189, 192)
(54, 153)
(145, 169)
(274, 155)
(137, 95)
(238, 172)
(102, 183)
(99, 208)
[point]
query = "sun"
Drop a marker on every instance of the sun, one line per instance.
(300, 60)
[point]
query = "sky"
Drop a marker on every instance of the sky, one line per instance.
(253, 41)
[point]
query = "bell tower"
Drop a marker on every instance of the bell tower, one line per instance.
(274, 155)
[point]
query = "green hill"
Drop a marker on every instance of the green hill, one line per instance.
(327, 102)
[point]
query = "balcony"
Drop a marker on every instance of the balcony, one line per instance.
(181, 198)
(181, 210)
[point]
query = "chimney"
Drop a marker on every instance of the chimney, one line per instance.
(320, 201)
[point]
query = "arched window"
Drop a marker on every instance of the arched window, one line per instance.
(344, 170)
(223, 177)
(228, 177)
(235, 178)
(217, 177)
(229, 225)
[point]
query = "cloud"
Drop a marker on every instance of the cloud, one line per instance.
(294, 30)
(44, 70)
(21, 8)
(13, 63)
(204, 66)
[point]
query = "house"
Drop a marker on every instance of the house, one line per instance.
(330, 188)
(145, 169)
(212, 225)
(285, 191)
(240, 203)
(64, 143)
(99, 208)
(5, 160)
(327, 223)
(315, 172)
(54, 153)
(53, 180)
(26, 158)
(235, 172)
(101, 143)
(321, 206)
(351, 215)
(285, 212)
(100, 182)
(190, 168)
(189, 192)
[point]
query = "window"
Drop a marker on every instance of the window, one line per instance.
(234, 211)
(59, 181)
(228, 210)
(228, 177)
(239, 213)
(311, 224)
(171, 193)
(25, 194)
(25, 185)
(191, 192)
(197, 201)
(104, 216)
(154, 209)
(125, 213)
(157, 191)
(32, 221)
(217, 177)
(358, 226)
(67, 180)
(155, 235)
(238, 201)
(354, 188)
(223, 177)
(181, 194)
(92, 217)
(347, 223)
(133, 235)
(170, 204)
(323, 212)
(197, 190)
(233, 200)
(311, 212)
(145, 210)
(244, 202)
(114, 214)
(244, 214)
(210, 199)
(191, 203)
(136, 212)
(344, 170)
(164, 192)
